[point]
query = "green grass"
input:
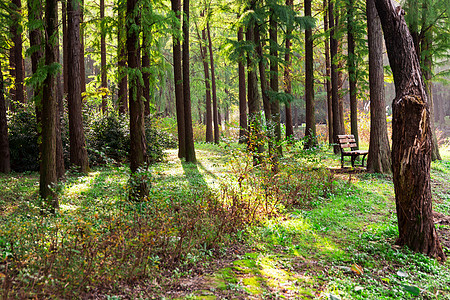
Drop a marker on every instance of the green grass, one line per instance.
(308, 234)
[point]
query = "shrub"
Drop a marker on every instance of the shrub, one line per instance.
(23, 139)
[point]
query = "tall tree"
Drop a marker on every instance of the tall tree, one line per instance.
(5, 162)
(81, 36)
(411, 137)
(213, 87)
(121, 57)
(337, 126)
(48, 175)
(103, 70)
(178, 79)
(310, 129)
(379, 159)
(288, 77)
(274, 103)
(146, 93)
(17, 57)
(243, 134)
(328, 76)
(189, 134)
(78, 153)
(351, 65)
(65, 48)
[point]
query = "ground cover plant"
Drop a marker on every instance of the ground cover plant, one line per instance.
(220, 228)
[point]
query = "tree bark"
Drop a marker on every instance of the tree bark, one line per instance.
(352, 70)
(103, 70)
(78, 153)
(178, 79)
(288, 78)
(122, 58)
(189, 135)
(60, 167)
(145, 73)
(213, 87)
(19, 70)
(310, 129)
(81, 36)
(328, 79)
(334, 79)
(243, 130)
(411, 137)
(48, 176)
(5, 161)
(379, 158)
(65, 48)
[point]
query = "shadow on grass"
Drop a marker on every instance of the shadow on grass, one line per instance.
(195, 179)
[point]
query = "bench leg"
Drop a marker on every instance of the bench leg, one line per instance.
(342, 161)
(353, 160)
(364, 156)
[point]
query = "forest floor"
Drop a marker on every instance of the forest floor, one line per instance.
(336, 241)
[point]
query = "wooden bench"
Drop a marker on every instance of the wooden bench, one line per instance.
(348, 141)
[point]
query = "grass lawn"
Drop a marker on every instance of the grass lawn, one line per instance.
(218, 229)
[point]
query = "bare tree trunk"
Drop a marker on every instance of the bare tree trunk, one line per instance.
(178, 79)
(337, 126)
(122, 58)
(352, 71)
(65, 48)
(288, 78)
(310, 129)
(243, 130)
(328, 74)
(189, 135)
(48, 176)
(145, 73)
(78, 153)
(81, 36)
(104, 71)
(379, 159)
(214, 88)
(5, 162)
(60, 167)
(411, 137)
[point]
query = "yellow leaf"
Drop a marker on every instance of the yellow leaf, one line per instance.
(357, 269)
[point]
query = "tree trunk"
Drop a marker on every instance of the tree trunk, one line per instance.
(178, 79)
(209, 117)
(65, 48)
(334, 79)
(19, 71)
(48, 176)
(379, 158)
(122, 58)
(60, 167)
(352, 70)
(274, 103)
(328, 79)
(104, 71)
(411, 137)
(5, 162)
(145, 73)
(288, 78)
(263, 79)
(189, 135)
(78, 153)
(243, 130)
(81, 36)
(214, 88)
(310, 129)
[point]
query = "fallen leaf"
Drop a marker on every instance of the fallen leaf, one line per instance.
(357, 269)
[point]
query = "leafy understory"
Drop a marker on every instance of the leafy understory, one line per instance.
(220, 228)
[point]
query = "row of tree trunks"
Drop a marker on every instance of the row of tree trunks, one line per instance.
(351, 62)
(16, 58)
(214, 88)
(328, 75)
(411, 137)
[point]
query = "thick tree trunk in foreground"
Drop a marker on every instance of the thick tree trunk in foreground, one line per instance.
(310, 129)
(78, 153)
(178, 78)
(5, 162)
(411, 137)
(242, 95)
(379, 158)
(48, 176)
(189, 134)
(215, 109)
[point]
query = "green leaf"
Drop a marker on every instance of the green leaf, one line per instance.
(413, 290)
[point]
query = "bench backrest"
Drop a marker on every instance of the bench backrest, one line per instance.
(347, 141)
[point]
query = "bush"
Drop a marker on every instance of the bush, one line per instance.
(23, 139)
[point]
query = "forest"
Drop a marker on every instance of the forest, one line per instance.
(219, 149)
